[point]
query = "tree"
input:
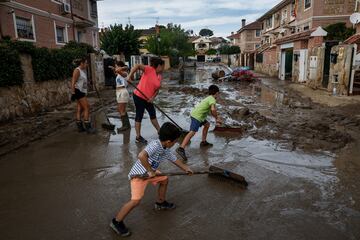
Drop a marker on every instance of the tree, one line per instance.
(189, 32)
(172, 41)
(118, 40)
(338, 31)
(228, 50)
(211, 51)
(206, 32)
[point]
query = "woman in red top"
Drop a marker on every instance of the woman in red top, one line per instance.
(149, 86)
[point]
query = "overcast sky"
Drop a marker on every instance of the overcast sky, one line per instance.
(221, 16)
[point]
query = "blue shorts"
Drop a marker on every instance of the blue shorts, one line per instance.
(196, 124)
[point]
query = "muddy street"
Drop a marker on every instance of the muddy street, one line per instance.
(301, 159)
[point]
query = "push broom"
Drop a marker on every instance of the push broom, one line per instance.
(212, 171)
(183, 132)
(108, 125)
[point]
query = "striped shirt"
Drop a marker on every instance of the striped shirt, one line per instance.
(157, 153)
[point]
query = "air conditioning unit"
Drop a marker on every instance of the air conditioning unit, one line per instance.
(65, 8)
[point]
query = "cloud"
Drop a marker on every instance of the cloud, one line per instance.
(218, 15)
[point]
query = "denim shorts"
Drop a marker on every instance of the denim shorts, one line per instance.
(196, 124)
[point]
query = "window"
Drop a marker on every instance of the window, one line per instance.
(268, 23)
(79, 36)
(284, 17)
(307, 4)
(24, 28)
(257, 45)
(306, 27)
(293, 10)
(93, 8)
(257, 33)
(259, 58)
(60, 34)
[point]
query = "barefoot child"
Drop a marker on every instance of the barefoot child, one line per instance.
(198, 118)
(148, 161)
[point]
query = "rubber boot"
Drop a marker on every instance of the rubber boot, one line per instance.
(89, 129)
(125, 123)
(80, 126)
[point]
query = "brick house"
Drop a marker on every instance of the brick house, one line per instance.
(248, 39)
(286, 37)
(50, 23)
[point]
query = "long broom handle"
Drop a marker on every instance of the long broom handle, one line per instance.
(132, 84)
(145, 176)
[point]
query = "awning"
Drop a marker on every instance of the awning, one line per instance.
(83, 23)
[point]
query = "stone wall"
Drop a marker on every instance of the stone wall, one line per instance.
(340, 71)
(315, 67)
(269, 66)
(32, 98)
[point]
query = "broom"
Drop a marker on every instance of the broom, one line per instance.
(183, 132)
(108, 125)
(212, 171)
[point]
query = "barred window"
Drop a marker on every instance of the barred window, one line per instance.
(60, 34)
(93, 8)
(259, 58)
(24, 28)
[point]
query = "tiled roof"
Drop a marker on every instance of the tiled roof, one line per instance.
(354, 39)
(146, 32)
(293, 37)
(251, 26)
(234, 36)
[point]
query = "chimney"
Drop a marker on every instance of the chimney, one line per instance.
(232, 33)
(243, 21)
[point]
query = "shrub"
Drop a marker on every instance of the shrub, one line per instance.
(72, 45)
(48, 64)
(11, 73)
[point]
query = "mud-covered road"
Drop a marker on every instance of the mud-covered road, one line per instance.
(301, 159)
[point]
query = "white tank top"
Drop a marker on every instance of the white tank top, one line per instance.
(120, 81)
(81, 83)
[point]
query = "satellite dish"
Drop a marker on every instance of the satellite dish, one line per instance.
(355, 18)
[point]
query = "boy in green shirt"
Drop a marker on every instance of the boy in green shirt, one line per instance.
(198, 118)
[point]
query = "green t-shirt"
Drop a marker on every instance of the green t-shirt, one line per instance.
(203, 108)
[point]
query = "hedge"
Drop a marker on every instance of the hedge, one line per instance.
(48, 64)
(54, 64)
(11, 72)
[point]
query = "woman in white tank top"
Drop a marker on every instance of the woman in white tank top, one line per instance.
(78, 92)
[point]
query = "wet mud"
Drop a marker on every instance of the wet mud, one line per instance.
(301, 161)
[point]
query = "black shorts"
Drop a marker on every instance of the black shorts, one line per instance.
(78, 94)
(141, 105)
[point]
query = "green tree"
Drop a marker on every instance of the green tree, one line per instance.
(206, 32)
(118, 39)
(226, 49)
(338, 31)
(171, 41)
(211, 51)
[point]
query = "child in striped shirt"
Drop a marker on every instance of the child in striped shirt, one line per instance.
(148, 162)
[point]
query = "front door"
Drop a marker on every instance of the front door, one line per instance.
(302, 65)
(282, 65)
(288, 63)
(326, 73)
